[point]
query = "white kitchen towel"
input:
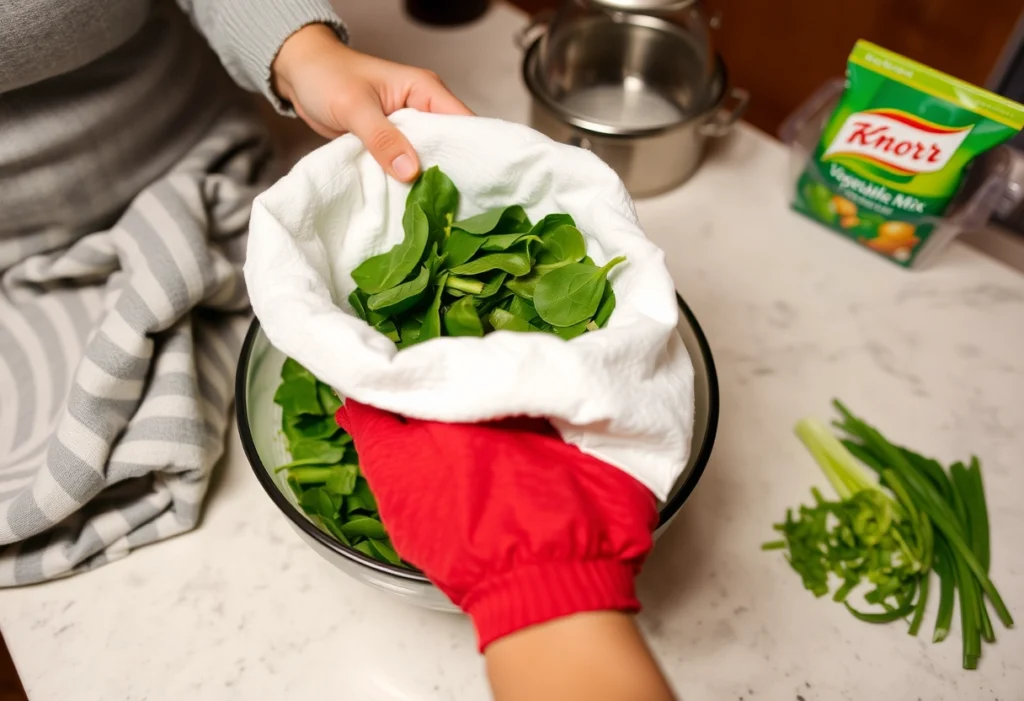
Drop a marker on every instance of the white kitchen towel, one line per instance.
(623, 393)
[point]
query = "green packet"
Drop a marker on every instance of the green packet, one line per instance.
(893, 153)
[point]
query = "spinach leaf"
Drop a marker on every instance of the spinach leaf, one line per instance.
(299, 396)
(560, 246)
(358, 300)
(434, 260)
(551, 222)
(318, 502)
(461, 247)
(322, 451)
(570, 294)
(493, 285)
(388, 328)
(513, 262)
(570, 332)
(607, 306)
(502, 220)
(523, 308)
(502, 242)
(291, 370)
(502, 320)
(431, 326)
(409, 331)
(331, 455)
(401, 297)
(364, 495)
(384, 271)
(364, 526)
(328, 399)
(461, 319)
(437, 196)
(364, 547)
(342, 480)
(358, 303)
(385, 551)
(333, 527)
(298, 428)
(525, 286)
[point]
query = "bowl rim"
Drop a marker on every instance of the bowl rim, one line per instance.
(308, 528)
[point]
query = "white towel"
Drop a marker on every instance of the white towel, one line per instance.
(623, 393)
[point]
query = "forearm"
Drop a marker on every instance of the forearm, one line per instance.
(247, 34)
(597, 656)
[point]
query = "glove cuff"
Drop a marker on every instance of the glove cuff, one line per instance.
(545, 591)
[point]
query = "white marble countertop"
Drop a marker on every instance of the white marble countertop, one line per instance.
(241, 608)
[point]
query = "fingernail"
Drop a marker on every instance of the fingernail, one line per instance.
(404, 167)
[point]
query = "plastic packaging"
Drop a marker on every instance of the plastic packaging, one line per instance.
(882, 158)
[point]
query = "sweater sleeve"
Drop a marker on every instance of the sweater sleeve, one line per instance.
(247, 34)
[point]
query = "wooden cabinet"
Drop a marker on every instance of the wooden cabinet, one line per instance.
(782, 50)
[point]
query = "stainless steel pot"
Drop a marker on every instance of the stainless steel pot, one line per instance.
(631, 89)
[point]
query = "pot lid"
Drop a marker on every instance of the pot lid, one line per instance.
(644, 5)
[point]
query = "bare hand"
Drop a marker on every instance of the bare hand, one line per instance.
(336, 90)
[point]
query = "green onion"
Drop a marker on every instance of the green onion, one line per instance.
(930, 500)
(889, 534)
(922, 600)
(947, 590)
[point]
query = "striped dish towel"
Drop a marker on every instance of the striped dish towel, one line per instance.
(117, 355)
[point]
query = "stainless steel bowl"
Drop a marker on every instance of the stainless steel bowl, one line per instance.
(635, 90)
(259, 421)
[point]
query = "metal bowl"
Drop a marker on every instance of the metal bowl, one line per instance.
(259, 421)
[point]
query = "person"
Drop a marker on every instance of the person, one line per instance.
(128, 164)
(127, 167)
(539, 545)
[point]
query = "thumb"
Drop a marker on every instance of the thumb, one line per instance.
(385, 142)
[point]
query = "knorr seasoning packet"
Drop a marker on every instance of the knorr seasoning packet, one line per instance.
(893, 153)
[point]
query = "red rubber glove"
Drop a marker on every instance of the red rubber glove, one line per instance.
(513, 524)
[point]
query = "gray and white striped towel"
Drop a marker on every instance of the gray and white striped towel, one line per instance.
(117, 354)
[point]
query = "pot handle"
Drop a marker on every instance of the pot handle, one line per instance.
(537, 26)
(725, 116)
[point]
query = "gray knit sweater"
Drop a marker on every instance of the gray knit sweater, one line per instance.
(100, 97)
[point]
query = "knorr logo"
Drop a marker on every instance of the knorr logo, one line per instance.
(897, 141)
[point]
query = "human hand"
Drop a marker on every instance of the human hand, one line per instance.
(336, 90)
(514, 525)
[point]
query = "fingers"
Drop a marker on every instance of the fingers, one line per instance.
(431, 95)
(385, 142)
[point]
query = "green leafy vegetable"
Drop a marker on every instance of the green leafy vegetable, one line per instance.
(364, 526)
(512, 262)
(572, 293)
(461, 319)
(503, 242)
(501, 220)
(446, 277)
(431, 327)
(437, 196)
(384, 271)
(401, 297)
(561, 246)
(502, 320)
(461, 247)
(893, 533)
